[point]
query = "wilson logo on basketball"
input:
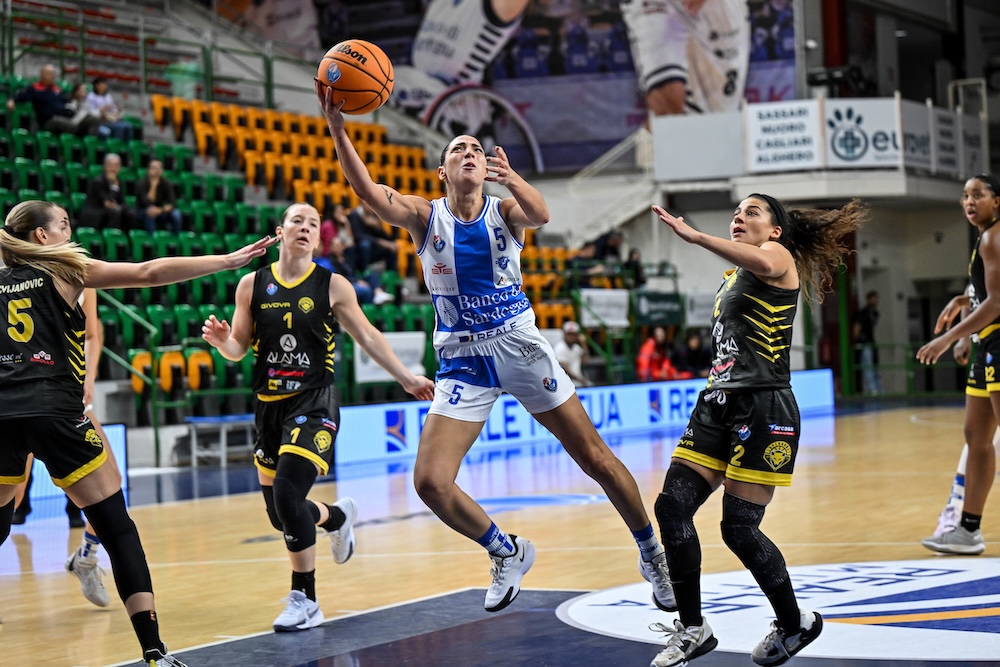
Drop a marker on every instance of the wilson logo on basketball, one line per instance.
(442, 268)
(357, 55)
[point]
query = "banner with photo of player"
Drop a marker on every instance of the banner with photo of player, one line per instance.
(559, 82)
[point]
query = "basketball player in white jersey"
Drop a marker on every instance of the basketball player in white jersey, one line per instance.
(456, 41)
(487, 343)
(690, 55)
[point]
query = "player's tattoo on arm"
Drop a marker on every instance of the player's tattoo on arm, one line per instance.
(388, 194)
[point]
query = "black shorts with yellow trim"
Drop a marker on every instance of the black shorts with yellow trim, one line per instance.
(70, 447)
(983, 378)
(751, 436)
(304, 424)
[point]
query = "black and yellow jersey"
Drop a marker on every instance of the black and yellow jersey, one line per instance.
(751, 333)
(977, 277)
(293, 333)
(41, 347)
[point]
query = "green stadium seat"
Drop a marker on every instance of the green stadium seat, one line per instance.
(91, 240)
(165, 322)
(6, 143)
(192, 186)
(8, 175)
(213, 244)
(53, 175)
(166, 244)
(225, 216)
(49, 147)
(24, 194)
(29, 174)
(247, 219)
(225, 286)
(139, 154)
(200, 217)
(112, 327)
(201, 291)
(116, 244)
(23, 116)
(233, 241)
(72, 149)
(141, 243)
(187, 321)
(76, 200)
(24, 144)
(121, 147)
(77, 177)
(215, 188)
(235, 186)
(57, 198)
(191, 244)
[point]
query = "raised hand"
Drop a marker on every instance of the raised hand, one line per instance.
(247, 253)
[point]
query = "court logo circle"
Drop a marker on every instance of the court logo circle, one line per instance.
(931, 609)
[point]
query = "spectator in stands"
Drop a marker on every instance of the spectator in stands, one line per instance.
(608, 246)
(155, 200)
(653, 362)
(105, 203)
(368, 284)
(85, 121)
(571, 353)
(635, 274)
(372, 243)
(582, 266)
(50, 105)
(100, 101)
(692, 359)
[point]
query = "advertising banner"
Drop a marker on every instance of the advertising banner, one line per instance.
(658, 308)
(972, 145)
(409, 346)
(915, 122)
(784, 136)
(604, 307)
(388, 432)
(945, 142)
(862, 133)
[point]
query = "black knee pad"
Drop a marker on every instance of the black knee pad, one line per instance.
(298, 516)
(741, 533)
(6, 516)
(120, 538)
(272, 513)
(684, 491)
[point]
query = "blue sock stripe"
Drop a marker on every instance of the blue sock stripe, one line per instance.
(644, 534)
(489, 536)
(90, 537)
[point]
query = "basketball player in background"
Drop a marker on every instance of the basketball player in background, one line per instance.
(487, 342)
(287, 311)
(455, 43)
(690, 55)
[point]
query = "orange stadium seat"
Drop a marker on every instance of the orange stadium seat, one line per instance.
(255, 119)
(274, 120)
(302, 190)
(320, 148)
(253, 168)
(197, 360)
(221, 114)
(204, 139)
(161, 105)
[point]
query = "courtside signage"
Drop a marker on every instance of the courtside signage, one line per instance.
(391, 431)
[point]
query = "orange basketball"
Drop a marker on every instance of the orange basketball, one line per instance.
(359, 73)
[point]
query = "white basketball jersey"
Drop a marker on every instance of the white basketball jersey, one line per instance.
(458, 39)
(472, 270)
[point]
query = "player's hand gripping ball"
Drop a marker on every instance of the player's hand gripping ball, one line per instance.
(359, 73)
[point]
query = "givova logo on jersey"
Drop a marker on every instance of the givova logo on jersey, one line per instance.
(931, 609)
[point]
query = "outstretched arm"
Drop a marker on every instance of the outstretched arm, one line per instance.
(168, 270)
(93, 344)
(770, 260)
(409, 212)
(371, 340)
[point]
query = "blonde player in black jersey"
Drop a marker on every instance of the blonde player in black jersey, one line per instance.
(42, 377)
(981, 203)
(744, 430)
(287, 312)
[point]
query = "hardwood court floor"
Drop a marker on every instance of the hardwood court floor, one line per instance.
(868, 487)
